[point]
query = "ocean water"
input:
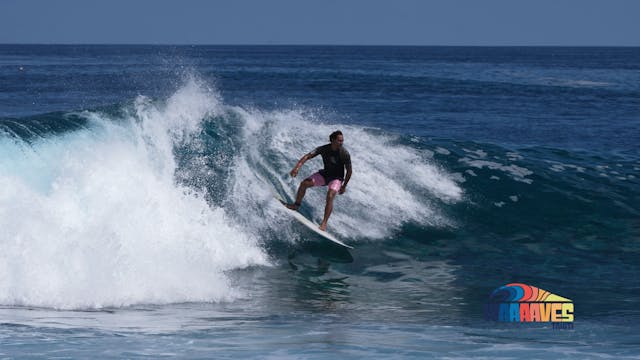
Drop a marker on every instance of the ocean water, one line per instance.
(136, 222)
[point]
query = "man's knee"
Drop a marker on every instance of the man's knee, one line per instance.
(331, 194)
(307, 183)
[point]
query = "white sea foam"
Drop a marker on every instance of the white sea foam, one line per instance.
(98, 217)
(586, 83)
(391, 184)
(478, 154)
(516, 172)
(514, 156)
(559, 167)
(576, 82)
(95, 218)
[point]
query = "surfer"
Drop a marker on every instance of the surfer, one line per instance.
(336, 159)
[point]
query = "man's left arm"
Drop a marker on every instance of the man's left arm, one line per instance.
(343, 188)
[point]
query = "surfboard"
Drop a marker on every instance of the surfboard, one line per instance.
(310, 224)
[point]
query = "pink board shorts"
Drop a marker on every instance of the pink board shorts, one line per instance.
(318, 180)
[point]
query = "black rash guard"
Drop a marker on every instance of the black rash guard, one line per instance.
(334, 162)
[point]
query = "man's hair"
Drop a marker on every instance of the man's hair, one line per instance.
(334, 135)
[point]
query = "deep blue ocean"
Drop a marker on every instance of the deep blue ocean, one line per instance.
(137, 217)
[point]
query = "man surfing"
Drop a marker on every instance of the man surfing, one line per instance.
(336, 159)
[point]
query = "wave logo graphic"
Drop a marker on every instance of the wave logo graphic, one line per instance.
(526, 303)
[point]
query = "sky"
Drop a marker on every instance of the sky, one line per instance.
(326, 22)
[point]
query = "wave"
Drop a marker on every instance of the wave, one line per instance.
(94, 217)
(154, 201)
(158, 200)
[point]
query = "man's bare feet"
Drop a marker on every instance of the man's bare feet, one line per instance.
(292, 206)
(323, 226)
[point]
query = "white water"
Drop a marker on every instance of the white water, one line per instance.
(391, 184)
(95, 218)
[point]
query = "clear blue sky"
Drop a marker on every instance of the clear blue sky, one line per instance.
(345, 22)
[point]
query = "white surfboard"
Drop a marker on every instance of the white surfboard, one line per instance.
(310, 224)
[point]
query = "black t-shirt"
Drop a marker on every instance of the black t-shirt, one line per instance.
(334, 162)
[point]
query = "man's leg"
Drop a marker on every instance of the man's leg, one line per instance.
(328, 208)
(302, 189)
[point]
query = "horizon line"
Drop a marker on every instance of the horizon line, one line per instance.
(306, 45)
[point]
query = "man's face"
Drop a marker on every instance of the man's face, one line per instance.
(337, 142)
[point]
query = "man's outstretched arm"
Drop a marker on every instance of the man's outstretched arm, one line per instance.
(301, 162)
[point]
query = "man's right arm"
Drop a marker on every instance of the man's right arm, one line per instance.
(301, 162)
